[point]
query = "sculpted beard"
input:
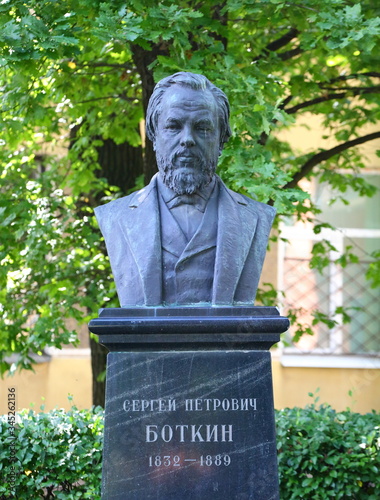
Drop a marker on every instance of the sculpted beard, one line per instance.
(185, 180)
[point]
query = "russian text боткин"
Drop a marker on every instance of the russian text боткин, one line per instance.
(189, 433)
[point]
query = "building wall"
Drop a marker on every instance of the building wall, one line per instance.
(51, 384)
(54, 381)
(292, 386)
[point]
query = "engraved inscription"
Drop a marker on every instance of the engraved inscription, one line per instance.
(202, 460)
(197, 404)
(173, 434)
(156, 405)
(226, 404)
(189, 433)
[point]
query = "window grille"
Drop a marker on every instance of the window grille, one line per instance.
(308, 290)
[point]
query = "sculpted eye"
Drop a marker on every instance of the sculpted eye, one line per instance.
(204, 127)
(172, 126)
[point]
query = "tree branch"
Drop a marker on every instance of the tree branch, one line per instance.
(101, 64)
(94, 73)
(106, 97)
(279, 43)
(354, 91)
(123, 97)
(339, 78)
(282, 41)
(284, 56)
(300, 6)
(326, 155)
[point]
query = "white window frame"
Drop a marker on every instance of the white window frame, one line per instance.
(323, 357)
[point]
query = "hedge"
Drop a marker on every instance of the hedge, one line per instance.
(325, 454)
(322, 453)
(57, 455)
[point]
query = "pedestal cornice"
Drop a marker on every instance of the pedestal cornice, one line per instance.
(189, 328)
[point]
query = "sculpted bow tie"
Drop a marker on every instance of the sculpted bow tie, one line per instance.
(197, 201)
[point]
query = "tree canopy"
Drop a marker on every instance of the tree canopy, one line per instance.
(75, 79)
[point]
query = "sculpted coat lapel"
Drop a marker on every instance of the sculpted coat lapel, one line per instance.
(131, 228)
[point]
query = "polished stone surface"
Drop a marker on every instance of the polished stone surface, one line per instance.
(189, 403)
(165, 328)
(189, 426)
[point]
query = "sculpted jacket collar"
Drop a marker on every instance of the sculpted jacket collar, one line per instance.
(233, 215)
(199, 200)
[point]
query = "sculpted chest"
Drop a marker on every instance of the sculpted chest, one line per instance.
(188, 266)
(132, 230)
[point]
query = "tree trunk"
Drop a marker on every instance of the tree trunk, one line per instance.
(120, 164)
(98, 366)
(143, 59)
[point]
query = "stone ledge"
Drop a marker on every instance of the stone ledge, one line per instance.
(189, 328)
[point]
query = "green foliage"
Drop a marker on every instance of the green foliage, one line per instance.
(327, 454)
(51, 263)
(299, 328)
(69, 77)
(373, 273)
(57, 453)
(322, 453)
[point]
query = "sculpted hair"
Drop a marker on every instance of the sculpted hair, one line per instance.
(196, 82)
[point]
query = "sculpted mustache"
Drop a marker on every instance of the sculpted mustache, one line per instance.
(184, 152)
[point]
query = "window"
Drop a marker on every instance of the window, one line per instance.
(306, 289)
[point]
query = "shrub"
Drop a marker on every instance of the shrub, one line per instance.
(58, 455)
(326, 454)
(322, 454)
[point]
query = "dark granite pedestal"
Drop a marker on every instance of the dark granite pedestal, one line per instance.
(189, 403)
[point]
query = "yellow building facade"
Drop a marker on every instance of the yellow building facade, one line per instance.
(340, 377)
(69, 374)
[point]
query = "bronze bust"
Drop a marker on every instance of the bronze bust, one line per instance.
(186, 238)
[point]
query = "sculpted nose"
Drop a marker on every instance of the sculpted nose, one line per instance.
(187, 138)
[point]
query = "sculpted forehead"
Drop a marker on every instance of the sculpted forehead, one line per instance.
(187, 99)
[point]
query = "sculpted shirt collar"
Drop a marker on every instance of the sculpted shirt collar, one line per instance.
(198, 200)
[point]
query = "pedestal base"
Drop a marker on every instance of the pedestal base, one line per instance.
(189, 426)
(192, 422)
